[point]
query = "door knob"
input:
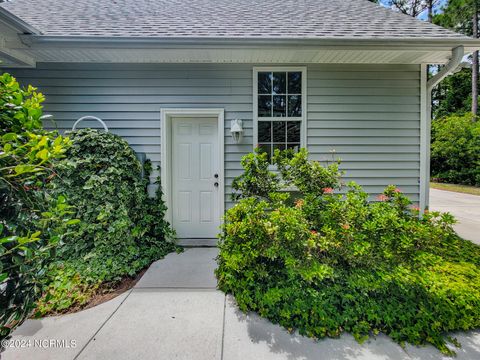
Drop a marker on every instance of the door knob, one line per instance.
(216, 184)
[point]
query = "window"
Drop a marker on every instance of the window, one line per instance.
(279, 108)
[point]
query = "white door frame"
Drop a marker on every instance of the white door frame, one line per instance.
(167, 116)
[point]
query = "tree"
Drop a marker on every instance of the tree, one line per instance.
(462, 16)
(413, 7)
(453, 95)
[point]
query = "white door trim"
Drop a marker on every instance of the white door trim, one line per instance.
(166, 118)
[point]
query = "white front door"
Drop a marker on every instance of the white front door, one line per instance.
(195, 177)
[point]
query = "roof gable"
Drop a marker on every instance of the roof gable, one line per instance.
(250, 19)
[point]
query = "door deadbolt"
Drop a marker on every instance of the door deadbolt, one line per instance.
(216, 176)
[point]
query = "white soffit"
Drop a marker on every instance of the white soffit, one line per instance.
(238, 55)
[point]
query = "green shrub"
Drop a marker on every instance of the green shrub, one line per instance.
(335, 262)
(256, 180)
(32, 221)
(455, 156)
(309, 177)
(122, 230)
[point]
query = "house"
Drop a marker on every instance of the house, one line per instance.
(344, 78)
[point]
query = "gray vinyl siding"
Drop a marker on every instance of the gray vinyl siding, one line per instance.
(368, 114)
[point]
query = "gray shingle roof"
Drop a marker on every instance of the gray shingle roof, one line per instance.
(289, 19)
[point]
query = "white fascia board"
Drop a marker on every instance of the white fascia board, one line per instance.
(433, 44)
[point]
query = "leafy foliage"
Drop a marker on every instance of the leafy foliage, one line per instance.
(310, 177)
(293, 171)
(32, 221)
(458, 15)
(453, 95)
(455, 153)
(336, 262)
(256, 179)
(122, 229)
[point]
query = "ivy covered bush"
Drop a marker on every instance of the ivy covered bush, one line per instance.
(122, 229)
(332, 261)
(33, 221)
(75, 216)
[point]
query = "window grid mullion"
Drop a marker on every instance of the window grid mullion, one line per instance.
(286, 98)
(271, 94)
(271, 132)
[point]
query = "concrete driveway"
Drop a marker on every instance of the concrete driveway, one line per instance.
(465, 207)
(175, 312)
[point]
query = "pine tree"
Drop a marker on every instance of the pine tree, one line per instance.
(463, 16)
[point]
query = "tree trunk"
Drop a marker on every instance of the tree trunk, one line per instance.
(430, 10)
(475, 63)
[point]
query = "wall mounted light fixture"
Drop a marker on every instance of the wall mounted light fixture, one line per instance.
(236, 129)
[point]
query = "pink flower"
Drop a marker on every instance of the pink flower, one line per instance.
(345, 226)
(383, 197)
(416, 208)
(313, 232)
(328, 190)
(397, 190)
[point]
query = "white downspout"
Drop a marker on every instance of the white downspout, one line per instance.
(426, 120)
(455, 60)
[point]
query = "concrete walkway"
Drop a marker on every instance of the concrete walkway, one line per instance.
(175, 312)
(465, 207)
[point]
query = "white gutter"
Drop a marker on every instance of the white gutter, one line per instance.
(426, 119)
(412, 44)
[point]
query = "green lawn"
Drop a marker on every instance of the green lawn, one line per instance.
(473, 190)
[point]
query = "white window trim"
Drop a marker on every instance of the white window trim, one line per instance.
(303, 118)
